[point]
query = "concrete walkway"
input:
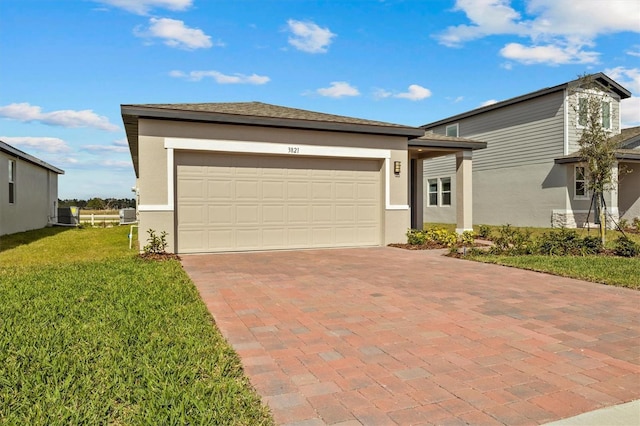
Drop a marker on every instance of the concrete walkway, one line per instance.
(388, 336)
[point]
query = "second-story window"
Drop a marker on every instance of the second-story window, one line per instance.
(452, 130)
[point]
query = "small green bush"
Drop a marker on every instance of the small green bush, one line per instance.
(156, 244)
(416, 237)
(623, 224)
(484, 232)
(468, 238)
(636, 223)
(512, 241)
(626, 248)
(566, 242)
(442, 236)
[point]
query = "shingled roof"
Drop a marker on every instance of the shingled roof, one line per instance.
(254, 114)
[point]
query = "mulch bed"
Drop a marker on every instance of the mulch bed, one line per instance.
(159, 257)
(428, 246)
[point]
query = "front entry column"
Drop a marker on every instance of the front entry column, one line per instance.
(464, 188)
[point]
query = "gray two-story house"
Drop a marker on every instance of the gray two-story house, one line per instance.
(530, 174)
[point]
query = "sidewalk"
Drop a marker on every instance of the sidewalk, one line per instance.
(619, 415)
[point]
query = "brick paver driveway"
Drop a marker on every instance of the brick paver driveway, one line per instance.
(388, 336)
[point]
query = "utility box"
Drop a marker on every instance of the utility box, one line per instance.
(69, 215)
(128, 216)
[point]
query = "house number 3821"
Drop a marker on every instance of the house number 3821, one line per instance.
(294, 150)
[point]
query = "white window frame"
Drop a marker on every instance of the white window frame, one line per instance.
(12, 181)
(443, 192)
(583, 109)
(429, 192)
(586, 194)
(439, 191)
(605, 126)
(452, 126)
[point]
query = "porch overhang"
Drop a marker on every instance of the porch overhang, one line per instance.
(432, 145)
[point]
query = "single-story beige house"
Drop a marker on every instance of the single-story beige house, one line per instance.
(221, 177)
(28, 191)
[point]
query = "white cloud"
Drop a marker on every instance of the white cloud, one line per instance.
(26, 112)
(629, 78)
(106, 148)
(489, 102)
(634, 51)
(339, 89)
(559, 31)
(142, 7)
(221, 78)
(121, 142)
(381, 94)
(117, 164)
(309, 37)
(415, 93)
(174, 33)
(42, 144)
(549, 54)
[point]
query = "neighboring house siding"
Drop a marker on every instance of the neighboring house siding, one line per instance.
(514, 180)
(35, 200)
(629, 195)
(574, 132)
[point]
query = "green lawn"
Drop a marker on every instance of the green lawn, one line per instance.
(611, 270)
(91, 334)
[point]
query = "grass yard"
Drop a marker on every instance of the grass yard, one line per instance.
(91, 334)
(611, 270)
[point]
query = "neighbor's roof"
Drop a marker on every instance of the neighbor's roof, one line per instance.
(254, 114)
(5, 147)
(600, 78)
(628, 141)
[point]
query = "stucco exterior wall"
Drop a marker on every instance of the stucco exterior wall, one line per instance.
(629, 191)
(156, 202)
(36, 196)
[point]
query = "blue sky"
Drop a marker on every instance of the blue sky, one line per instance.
(67, 65)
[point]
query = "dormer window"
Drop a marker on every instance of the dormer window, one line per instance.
(452, 130)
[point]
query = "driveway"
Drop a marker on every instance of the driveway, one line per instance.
(384, 336)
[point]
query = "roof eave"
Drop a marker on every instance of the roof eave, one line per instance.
(424, 143)
(4, 147)
(213, 117)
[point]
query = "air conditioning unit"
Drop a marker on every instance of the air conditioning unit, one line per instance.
(128, 216)
(69, 215)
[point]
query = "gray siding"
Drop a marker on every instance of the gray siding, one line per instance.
(574, 132)
(36, 192)
(629, 192)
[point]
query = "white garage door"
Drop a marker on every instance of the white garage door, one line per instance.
(247, 202)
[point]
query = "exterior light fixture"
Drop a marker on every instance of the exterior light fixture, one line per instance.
(396, 168)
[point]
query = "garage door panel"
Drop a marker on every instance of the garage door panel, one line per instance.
(247, 190)
(248, 215)
(219, 190)
(243, 202)
(273, 191)
(222, 215)
(274, 215)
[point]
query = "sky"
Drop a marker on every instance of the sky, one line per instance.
(66, 66)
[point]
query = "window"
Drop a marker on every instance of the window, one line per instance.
(433, 192)
(605, 113)
(580, 182)
(12, 181)
(452, 130)
(583, 112)
(439, 192)
(445, 190)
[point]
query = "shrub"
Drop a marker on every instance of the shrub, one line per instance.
(626, 247)
(155, 244)
(467, 238)
(623, 224)
(560, 243)
(442, 236)
(567, 242)
(416, 237)
(636, 223)
(484, 232)
(512, 241)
